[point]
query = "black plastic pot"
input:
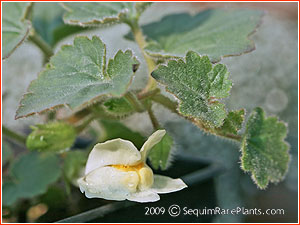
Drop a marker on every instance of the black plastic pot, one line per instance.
(200, 194)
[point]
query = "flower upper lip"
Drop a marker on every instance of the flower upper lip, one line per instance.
(116, 170)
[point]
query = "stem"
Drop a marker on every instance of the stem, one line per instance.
(215, 131)
(82, 126)
(28, 13)
(132, 98)
(153, 119)
(139, 38)
(12, 135)
(75, 118)
(45, 48)
(148, 94)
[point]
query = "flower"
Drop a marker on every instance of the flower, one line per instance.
(116, 170)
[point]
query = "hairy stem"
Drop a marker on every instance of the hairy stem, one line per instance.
(140, 40)
(214, 131)
(78, 116)
(82, 126)
(148, 94)
(13, 135)
(153, 119)
(44, 47)
(134, 101)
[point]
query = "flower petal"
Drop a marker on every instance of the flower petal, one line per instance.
(109, 183)
(152, 140)
(144, 196)
(117, 151)
(163, 184)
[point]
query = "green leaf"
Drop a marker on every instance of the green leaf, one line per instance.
(52, 137)
(114, 129)
(215, 32)
(15, 28)
(159, 155)
(96, 13)
(233, 122)
(30, 176)
(264, 151)
(47, 21)
(73, 164)
(198, 85)
(118, 107)
(78, 74)
(9, 196)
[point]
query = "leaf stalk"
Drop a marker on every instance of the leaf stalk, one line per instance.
(43, 46)
(13, 135)
(134, 101)
(153, 118)
(140, 40)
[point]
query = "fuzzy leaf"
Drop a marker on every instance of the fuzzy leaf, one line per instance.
(96, 13)
(47, 21)
(233, 122)
(53, 137)
(15, 28)
(198, 85)
(264, 151)
(118, 107)
(73, 164)
(78, 74)
(160, 153)
(30, 176)
(214, 32)
(114, 129)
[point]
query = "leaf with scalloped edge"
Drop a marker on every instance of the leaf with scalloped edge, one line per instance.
(47, 20)
(264, 151)
(31, 174)
(98, 13)
(214, 32)
(232, 123)
(78, 75)
(15, 27)
(198, 86)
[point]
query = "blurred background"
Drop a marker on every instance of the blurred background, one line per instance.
(266, 77)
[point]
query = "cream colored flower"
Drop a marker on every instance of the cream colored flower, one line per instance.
(116, 170)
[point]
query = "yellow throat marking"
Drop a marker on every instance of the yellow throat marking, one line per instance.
(129, 168)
